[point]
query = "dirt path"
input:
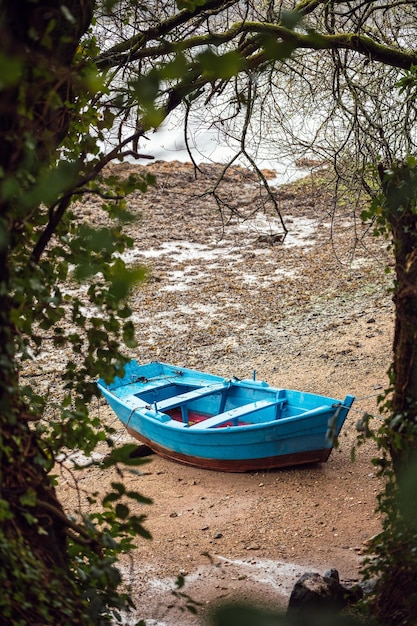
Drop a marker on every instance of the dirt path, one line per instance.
(222, 300)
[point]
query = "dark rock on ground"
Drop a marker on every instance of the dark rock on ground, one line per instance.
(322, 593)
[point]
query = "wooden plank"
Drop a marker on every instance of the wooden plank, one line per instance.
(234, 414)
(324, 408)
(183, 398)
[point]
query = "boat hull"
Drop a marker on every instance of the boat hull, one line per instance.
(237, 465)
(210, 422)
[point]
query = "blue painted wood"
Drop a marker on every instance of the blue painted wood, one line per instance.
(265, 427)
(233, 415)
(183, 399)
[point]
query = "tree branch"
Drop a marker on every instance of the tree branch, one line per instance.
(362, 44)
(127, 50)
(57, 211)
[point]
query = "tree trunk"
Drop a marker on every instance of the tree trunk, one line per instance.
(37, 584)
(33, 109)
(395, 599)
(39, 38)
(401, 197)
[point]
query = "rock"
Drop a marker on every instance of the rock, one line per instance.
(332, 573)
(368, 586)
(272, 239)
(322, 593)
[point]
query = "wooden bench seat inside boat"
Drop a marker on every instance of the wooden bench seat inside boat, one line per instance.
(183, 398)
(234, 414)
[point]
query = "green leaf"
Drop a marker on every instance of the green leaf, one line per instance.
(110, 497)
(10, 71)
(190, 5)
(5, 512)
(146, 89)
(122, 511)
(124, 455)
(134, 495)
(224, 66)
(122, 279)
(177, 68)
(119, 487)
(28, 498)
(32, 520)
(290, 19)
(276, 50)
(51, 184)
(180, 582)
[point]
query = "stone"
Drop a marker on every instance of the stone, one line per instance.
(321, 593)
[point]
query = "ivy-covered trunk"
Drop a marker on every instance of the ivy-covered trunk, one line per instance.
(35, 579)
(38, 39)
(394, 559)
(400, 189)
(37, 585)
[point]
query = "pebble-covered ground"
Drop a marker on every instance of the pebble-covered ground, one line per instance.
(225, 295)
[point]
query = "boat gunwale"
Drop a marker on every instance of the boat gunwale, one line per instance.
(172, 424)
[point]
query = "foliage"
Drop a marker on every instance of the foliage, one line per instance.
(244, 614)
(63, 283)
(392, 558)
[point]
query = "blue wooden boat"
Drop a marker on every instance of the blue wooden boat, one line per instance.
(227, 425)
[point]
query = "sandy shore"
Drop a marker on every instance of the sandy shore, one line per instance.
(312, 313)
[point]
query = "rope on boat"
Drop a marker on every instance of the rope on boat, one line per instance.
(143, 379)
(372, 395)
(131, 413)
(362, 411)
